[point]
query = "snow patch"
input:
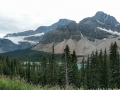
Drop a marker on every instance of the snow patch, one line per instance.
(117, 25)
(105, 18)
(104, 39)
(17, 39)
(81, 35)
(99, 22)
(109, 31)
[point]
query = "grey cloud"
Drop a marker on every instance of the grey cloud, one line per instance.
(8, 25)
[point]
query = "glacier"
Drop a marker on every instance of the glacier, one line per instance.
(17, 39)
(109, 31)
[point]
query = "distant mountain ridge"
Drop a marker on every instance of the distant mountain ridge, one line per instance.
(89, 32)
(84, 37)
(41, 29)
(27, 39)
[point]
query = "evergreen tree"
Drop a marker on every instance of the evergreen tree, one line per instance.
(74, 70)
(101, 70)
(105, 72)
(93, 70)
(1, 65)
(28, 70)
(65, 79)
(44, 71)
(53, 69)
(34, 75)
(87, 74)
(83, 73)
(114, 66)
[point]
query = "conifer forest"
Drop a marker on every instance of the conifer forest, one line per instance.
(101, 70)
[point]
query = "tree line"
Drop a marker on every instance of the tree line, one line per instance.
(100, 70)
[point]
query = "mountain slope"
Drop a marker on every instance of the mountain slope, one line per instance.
(27, 39)
(88, 35)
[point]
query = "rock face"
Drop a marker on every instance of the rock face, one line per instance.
(90, 34)
(7, 45)
(61, 33)
(27, 39)
(99, 26)
(41, 29)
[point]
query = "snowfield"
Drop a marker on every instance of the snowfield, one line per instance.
(109, 31)
(18, 39)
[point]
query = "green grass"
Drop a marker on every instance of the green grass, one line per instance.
(15, 84)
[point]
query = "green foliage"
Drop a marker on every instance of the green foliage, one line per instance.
(114, 66)
(99, 71)
(15, 84)
(27, 54)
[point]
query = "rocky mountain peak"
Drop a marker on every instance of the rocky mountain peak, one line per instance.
(104, 18)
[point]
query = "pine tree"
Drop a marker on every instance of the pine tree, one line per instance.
(105, 73)
(44, 70)
(34, 76)
(74, 69)
(53, 69)
(83, 73)
(87, 74)
(65, 78)
(94, 71)
(114, 66)
(28, 70)
(1, 65)
(101, 69)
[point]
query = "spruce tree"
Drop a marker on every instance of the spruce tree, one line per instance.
(83, 73)
(74, 69)
(114, 66)
(28, 70)
(105, 73)
(65, 79)
(87, 74)
(101, 70)
(93, 70)
(44, 70)
(53, 69)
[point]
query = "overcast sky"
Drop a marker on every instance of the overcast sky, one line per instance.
(22, 15)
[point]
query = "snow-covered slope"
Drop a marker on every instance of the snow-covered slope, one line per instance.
(18, 39)
(109, 31)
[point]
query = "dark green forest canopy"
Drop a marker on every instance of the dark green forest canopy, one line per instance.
(27, 54)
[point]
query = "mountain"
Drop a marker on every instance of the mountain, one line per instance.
(99, 26)
(35, 36)
(61, 33)
(41, 29)
(7, 45)
(27, 39)
(88, 35)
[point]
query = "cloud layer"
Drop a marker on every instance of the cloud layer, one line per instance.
(21, 15)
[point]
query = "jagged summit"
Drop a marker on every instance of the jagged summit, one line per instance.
(104, 18)
(86, 36)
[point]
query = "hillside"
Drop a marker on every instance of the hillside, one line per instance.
(27, 54)
(90, 34)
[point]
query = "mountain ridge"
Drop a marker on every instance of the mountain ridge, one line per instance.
(86, 33)
(90, 32)
(27, 39)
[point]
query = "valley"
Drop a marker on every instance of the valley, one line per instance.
(66, 54)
